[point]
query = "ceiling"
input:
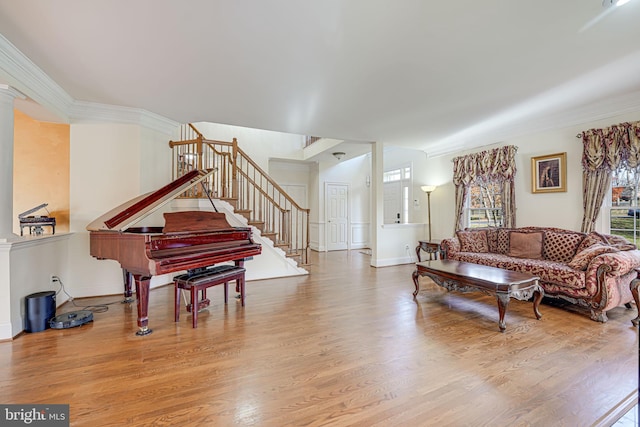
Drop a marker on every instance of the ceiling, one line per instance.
(430, 75)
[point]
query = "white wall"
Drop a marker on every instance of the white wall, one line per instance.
(27, 267)
(110, 164)
(400, 240)
(352, 172)
(260, 145)
(563, 210)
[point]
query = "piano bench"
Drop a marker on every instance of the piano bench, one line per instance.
(202, 279)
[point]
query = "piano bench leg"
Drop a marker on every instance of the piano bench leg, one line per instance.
(194, 307)
(200, 287)
(178, 293)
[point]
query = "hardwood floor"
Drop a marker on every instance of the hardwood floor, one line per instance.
(346, 345)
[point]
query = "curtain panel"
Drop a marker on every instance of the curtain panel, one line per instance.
(605, 150)
(497, 165)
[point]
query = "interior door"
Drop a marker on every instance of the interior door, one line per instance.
(337, 202)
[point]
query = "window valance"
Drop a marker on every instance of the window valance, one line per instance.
(492, 165)
(609, 148)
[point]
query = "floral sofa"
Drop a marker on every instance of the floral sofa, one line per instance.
(593, 270)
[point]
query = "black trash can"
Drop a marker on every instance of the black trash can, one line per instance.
(39, 308)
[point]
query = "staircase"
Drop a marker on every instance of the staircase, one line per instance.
(239, 181)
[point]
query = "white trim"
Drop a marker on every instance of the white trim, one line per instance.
(91, 112)
(26, 77)
(326, 212)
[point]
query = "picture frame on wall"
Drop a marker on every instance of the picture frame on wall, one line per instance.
(549, 173)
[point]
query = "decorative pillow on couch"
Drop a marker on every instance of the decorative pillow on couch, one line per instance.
(561, 246)
(582, 259)
(591, 239)
(525, 245)
(473, 241)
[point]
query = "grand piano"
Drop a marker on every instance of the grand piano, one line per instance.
(188, 240)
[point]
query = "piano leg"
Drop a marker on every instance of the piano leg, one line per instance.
(128, 279)
(142, 291)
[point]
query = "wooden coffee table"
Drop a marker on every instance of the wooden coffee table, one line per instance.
(468, 277)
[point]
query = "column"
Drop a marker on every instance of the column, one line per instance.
(7, 95)
(377, 200)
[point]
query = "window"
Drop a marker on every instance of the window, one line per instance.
(397, 195)
(485, 205)
(624, 216)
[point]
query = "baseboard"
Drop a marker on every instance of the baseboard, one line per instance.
(618, 411)
(392, 261)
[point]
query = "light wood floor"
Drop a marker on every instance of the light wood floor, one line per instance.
(347, 345)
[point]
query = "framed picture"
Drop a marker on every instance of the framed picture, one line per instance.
(549, 173)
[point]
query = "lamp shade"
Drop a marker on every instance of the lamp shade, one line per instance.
(428, 188)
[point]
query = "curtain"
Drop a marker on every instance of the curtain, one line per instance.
(604, 150)
(497, 165)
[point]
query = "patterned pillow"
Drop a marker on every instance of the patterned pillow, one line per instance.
(591, 239)
(561, 247)
(492, 239)
(473, 241)
(503, 241)
(582, 259)
(525, 245)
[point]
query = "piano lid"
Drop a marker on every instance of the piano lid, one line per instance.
(32, 210)
(129, 213)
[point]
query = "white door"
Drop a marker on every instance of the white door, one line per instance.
(337, 201)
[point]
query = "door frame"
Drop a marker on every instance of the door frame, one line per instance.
(326, 212)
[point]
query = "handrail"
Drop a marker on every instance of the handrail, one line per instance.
(272, 182)
(264, 193)
(242, 182)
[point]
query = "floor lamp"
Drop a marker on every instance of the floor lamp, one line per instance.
(428, 189)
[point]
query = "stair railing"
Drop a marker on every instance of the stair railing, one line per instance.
(241, 182)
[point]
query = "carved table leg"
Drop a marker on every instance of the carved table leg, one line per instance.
(537, 298)
(503, 301)
(415, 277)
(418, 253)
(636, 297)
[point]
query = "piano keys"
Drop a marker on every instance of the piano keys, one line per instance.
(187, 240)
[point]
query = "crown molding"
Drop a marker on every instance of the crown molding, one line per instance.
(23, 75)
(91, 112)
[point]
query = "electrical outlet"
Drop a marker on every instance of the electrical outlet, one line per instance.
(406, 247)
(54, 279)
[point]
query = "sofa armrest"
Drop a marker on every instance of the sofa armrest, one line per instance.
(449, 246)
(615, 264)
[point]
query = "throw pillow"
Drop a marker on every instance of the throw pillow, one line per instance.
(492, 239)
(582, 259)
(503, 240)
(561, 247)
(591, 239)
(473, 241)
(525, 245)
